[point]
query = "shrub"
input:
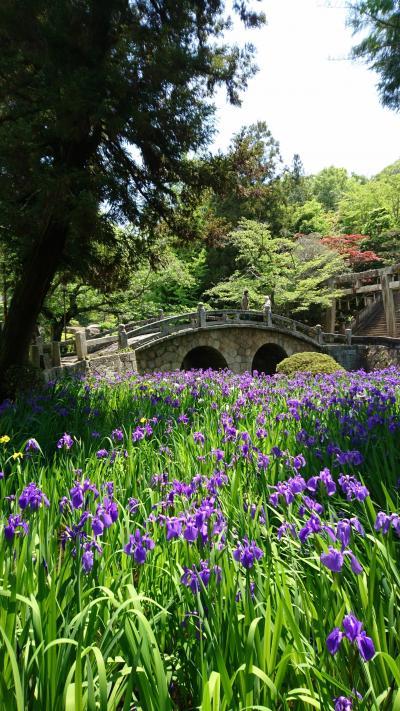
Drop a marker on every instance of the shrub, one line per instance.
(308, 362)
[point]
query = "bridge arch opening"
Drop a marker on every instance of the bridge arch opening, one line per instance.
(267, 358)
(204, 357)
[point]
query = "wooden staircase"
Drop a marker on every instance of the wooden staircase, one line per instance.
(375, 325)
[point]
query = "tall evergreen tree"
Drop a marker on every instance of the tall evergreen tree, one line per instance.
(380, 46)
(100, 103)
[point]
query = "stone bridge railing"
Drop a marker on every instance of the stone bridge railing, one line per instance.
(202, 319)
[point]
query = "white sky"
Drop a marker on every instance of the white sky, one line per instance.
(315, 101)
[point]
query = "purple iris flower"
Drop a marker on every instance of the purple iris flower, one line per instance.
(354, 563)
(352, 488)
(383, 522)
(343, 703)
(193, 577)
(326, 478)
(138, 546)
(352, 457)
(32, 445)
(198, 437)
(107, 512)
(247, 553)
(313, 525)
(133, 505)
(97, 526)
(191, 531)
(77, 495)
(117, 435)
(15, 525)
(311, 505)
(333, 640)
(333, 560)
(109, 487)
(298, 461)
(219, 454)
(65, 442)
(365, 646)
(343, 531)
(263, 461)
(286, 529)
(102, 454)
(173, 527)
(353, 630)
(88, 555)
(138, 434)
(32, 497)
(352, 627)
(77, 492)
(87, 560)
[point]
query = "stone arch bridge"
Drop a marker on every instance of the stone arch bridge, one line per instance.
(238, 340)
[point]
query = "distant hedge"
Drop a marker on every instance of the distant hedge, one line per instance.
(308, 362)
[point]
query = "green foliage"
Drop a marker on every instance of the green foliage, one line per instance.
(252, 188)
(373, 207)
(329, 186)
(294, 272)
(379, 22)
(311, 218)
(296, 187)
(100, 105)
(308, 363)
(304, 286)
(387, 245)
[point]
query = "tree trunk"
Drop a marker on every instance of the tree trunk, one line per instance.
(27, 300)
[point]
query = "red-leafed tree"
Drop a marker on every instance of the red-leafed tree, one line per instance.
(350, 247)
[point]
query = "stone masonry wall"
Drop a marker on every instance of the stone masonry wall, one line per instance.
(115, 363)
(238, 345)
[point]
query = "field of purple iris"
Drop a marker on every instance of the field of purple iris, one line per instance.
(201, 540)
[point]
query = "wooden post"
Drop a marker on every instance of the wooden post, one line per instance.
(331, 317)
(388, 305)
(81, 345)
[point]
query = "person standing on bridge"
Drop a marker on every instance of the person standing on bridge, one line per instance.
(244, 305)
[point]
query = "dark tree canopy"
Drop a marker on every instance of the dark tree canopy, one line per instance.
(380, 46)
(100, 103)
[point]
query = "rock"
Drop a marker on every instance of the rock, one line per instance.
(92, 330)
